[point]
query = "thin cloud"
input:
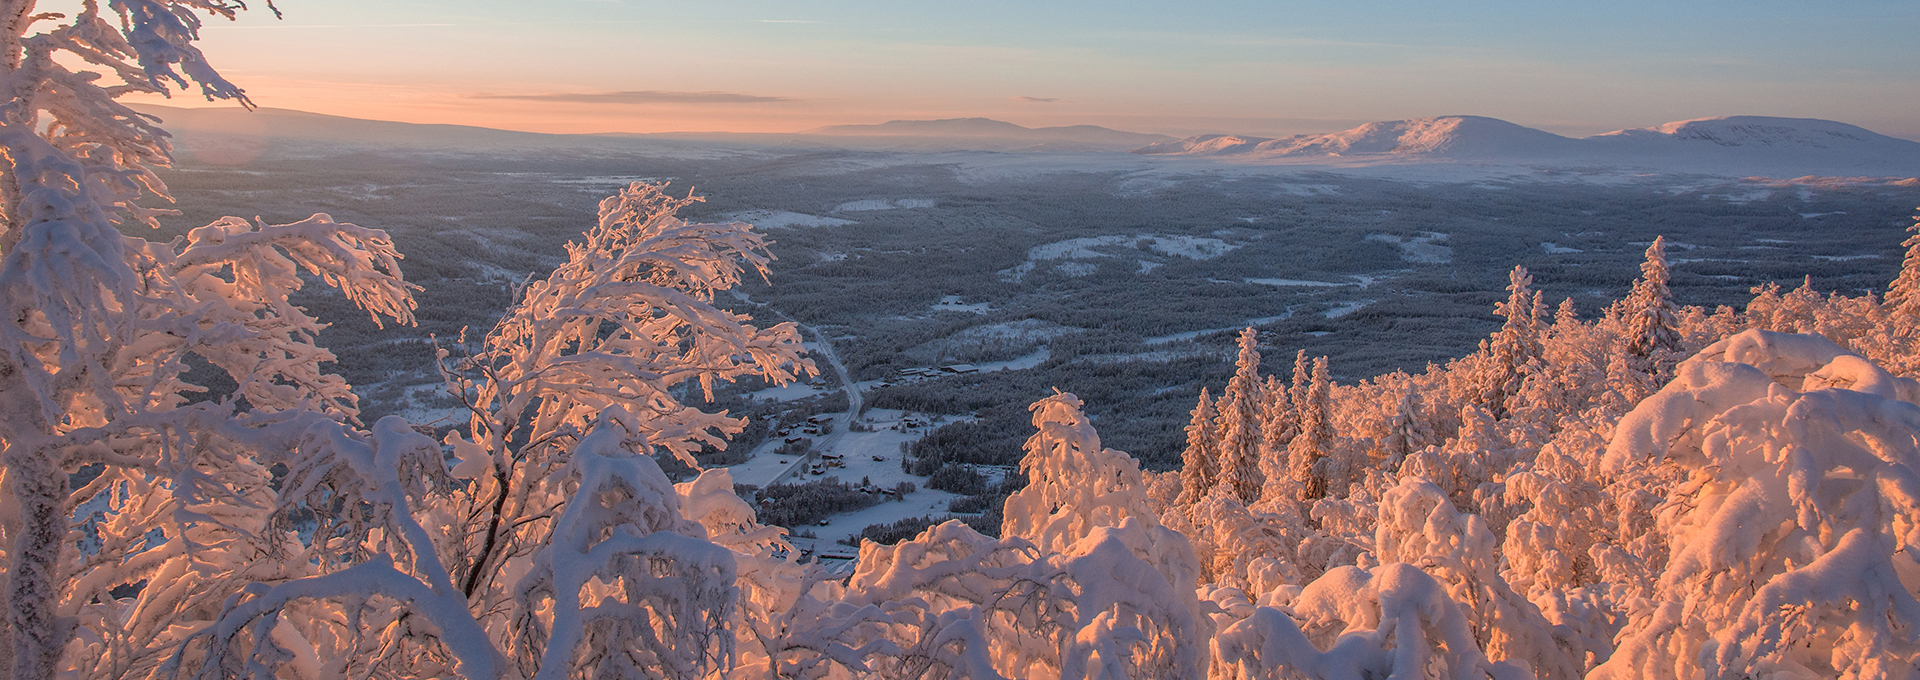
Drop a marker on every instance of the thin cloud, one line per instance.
(639, 97)
(1037, 100)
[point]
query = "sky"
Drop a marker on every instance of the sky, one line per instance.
(1256, 68)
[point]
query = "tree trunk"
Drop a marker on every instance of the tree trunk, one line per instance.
(32, 595)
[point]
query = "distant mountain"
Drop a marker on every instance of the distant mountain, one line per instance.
(1441, 137)
(1761, 132)
(233, 129)
(1735, 145)
(232, 134)
(997, 135)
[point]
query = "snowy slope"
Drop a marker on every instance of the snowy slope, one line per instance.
(1767, 145)
(1440, 137)
(1733, 145)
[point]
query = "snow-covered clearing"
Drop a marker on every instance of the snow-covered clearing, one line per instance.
(787, 392)
(1422, 249)
(884, 204)
(1024, 329)
(1189, 335)
(1347, 308)
(1155, 357)
(1556, 249)
(1017, 364)
(859, 451)
(601, 182)
(1296, 282)
(1117, 245)
(417, 412)
(782, 219)
(1365, 281)
(1190, 247)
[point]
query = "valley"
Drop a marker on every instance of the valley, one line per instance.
(1086, 271)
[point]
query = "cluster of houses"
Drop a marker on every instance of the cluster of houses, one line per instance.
(827, 461)
(811, 428)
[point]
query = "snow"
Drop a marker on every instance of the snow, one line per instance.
(435, 416)
(1715, 500)
(955, 303)
(1021, 330)
(1296, 282)
(1730, 147)
(884, 204)
(1190, 247)
(1189, 335)
(782, 219)
(600, 183)
(1017, 364)
(1347, 308)
(1556, 249)
(787, 392)
(1422, 249)
(1116, 245)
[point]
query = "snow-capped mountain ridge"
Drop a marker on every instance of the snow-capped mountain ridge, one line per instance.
(1739, 145)
(1759, 131)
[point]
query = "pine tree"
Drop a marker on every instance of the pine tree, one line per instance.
(1239, 423)
(1302, 378)
(1514, 347)
(1200, 465)
(1903, 296)
(1277, 427)
(1566, 314)
(1649, 316)
(1308, 450)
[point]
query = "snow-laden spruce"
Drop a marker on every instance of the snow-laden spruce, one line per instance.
(1793, 537)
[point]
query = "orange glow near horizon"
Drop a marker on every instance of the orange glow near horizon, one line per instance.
(1250, 69)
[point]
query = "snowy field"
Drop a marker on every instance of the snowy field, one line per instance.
(1116, 245)
(783, 219)
(873, 457)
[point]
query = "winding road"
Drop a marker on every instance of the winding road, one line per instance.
(855, 405)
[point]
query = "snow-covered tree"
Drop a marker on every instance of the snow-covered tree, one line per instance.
(1648, 315)
(1239, 423)
(1307, 453)
(1074, 486)
(1407, 432)
(102, 328)
(1512, 350)
(565, 548)
(550, 367)
(1200, 463)
(1903, 295)
(1794, 535)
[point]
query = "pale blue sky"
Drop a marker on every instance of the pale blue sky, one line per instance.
(1246, 67)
